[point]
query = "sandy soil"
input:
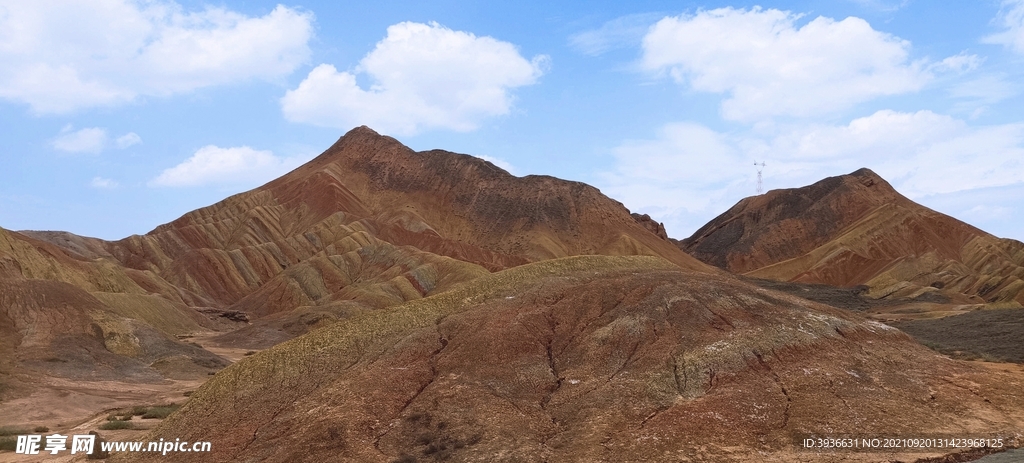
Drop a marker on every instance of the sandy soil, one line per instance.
(77, 407)
(61, 404)
(206, 340)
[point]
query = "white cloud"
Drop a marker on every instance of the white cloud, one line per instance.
(215, 165)
(959, 63)
(994, 210)
(425, 76)
(88, 140)
(986, 88)
(128, 139)
(989, 212)
(770, 67)
(683, 176)
(103, 183)
(62, 55)
(688, 174)
(882, 5)
(622, 32)
(1011, 18)
(921, 153)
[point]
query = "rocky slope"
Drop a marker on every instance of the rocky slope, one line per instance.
(443, 309)
(367, 224)
(856, 229)
(64, 315)
(589, 359)
(367, 189)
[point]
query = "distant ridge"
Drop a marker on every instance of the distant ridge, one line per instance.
(855, 229)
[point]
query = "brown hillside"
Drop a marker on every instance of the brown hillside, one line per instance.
(67, 316)
(589, 359)
(367, 224)
(856, 229)
(367, 189)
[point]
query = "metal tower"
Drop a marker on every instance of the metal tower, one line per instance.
(760, 167)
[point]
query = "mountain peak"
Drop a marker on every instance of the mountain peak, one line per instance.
(362, 129)
(863, 183)
(796, 219)
(868, 178)
(856, 229)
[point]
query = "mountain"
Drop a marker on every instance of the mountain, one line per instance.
(369, 191)
(429, 306)
(367, 224)
(854, 230)
(371, 223)
(590, 358)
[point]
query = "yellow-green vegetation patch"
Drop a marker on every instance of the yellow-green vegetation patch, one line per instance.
(12, 431)
(160, 411)
(112, 425)
(144, 411)
(8, 443)
(8, 436)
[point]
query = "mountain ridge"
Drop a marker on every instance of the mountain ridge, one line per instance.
(367, 224)
(855, 229)
(430, 305)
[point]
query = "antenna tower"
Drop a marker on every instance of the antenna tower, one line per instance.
(760, 167)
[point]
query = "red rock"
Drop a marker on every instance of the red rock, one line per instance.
(856, 229)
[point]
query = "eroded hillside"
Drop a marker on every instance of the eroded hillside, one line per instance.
(857, 230)
(589, 359)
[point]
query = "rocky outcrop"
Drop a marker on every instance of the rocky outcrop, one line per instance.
(651, 225)
(856, 229)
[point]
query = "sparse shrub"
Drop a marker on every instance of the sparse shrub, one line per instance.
(250, 353)
(121, 415)
(8, 443)
(12, 431)
(434, 439)
(139, 410)
(160, 411)
(425, 438)
(40, 429)
(986, 357)
(111, 425)
(405, 458)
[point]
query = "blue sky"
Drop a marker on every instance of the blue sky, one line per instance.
(117, 116)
